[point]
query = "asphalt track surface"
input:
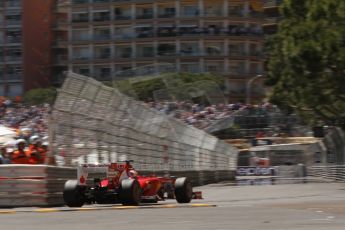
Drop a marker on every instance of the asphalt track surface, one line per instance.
(307, 206)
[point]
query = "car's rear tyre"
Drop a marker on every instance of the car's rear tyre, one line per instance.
(73, 194)
(183, 190)
(130, 192)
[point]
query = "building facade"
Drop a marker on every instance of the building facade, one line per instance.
(25, 45)
(272, 14)
(106, 38)
(11, 48)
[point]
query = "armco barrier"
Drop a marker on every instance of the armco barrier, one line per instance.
(32, 185)
(334, 173)
(42, 186)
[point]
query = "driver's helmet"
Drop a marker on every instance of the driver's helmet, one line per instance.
(133, 173)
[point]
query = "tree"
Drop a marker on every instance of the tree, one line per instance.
(145, 88)
(306, 64)
(40, 96)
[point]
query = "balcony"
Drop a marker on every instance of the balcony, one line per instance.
(61, 59)
(209, 31)
(81, 38)
(12, 58)
(102, 1)
(166, 50)
(103, 56)
(124, 55)
(14, 40)
(123, 17)
(80, 1)
(81, 58)
(166, 13)
(189, 11)
(101, 37)
(145, 32)
(13, 22)
(80, 19)
(255, 14)
(13, 76)
(214, 51)
(272, 3)
(14, 4)
(237, 53)
(101, 19)
(236, 12)
(144, 52)
(214, 13)
(145, 16)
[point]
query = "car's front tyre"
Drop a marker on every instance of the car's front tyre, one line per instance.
(183, 190)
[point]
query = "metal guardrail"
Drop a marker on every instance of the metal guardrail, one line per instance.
(32, 185)
(331, 173)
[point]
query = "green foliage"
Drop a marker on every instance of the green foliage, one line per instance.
(175, 85)
(40, 96)
(306, 66)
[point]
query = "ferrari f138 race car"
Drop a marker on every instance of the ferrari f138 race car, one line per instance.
(122, 184)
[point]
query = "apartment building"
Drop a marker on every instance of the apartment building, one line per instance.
(106, 38)
(25, 45)
(11, 68)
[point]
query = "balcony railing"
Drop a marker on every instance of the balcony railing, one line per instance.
(101, 37)
(144, 16)
(166, 15)
(272, 3)
(11, 58)
(13, 22)
(174, 32)
(13, 3)
(124, 55)
(81, 58)
(81, 38)
(214, 13)
(123, 17)
(14, 40)
(80, 1)
(101, 19)
(82, 19)
(167, 53)
(103, 56)
(13, 76)
(102, 1)
(61, 59)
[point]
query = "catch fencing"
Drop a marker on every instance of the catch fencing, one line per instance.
(93, 123)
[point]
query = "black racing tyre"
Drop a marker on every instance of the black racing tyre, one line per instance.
(73, 194)
(130, 192)
(183, 190)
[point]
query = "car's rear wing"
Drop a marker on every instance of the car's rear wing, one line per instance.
(111, 170)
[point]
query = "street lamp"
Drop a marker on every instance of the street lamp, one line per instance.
(248, 87)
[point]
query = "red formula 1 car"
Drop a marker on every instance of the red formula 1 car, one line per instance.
(123, 185)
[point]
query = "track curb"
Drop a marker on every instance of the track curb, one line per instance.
(50, 210)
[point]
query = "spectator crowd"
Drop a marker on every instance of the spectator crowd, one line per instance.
(201, 116)
(29, 144)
